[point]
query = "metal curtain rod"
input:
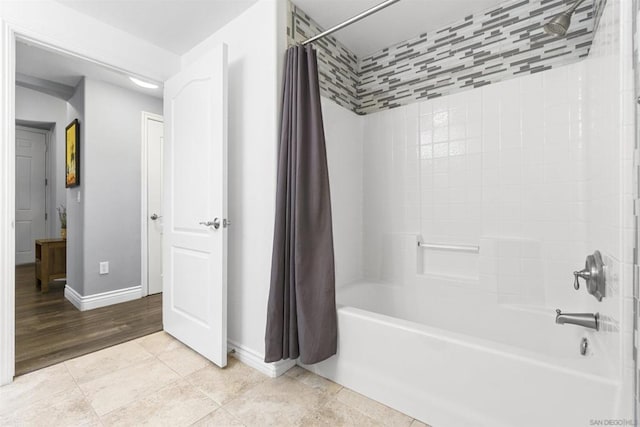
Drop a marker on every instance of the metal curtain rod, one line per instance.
(351, 20)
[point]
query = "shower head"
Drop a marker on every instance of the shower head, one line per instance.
(559, 24)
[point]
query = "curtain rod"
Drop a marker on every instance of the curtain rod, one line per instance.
(350, 21)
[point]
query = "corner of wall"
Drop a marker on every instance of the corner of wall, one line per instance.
(256, 360)
(74, 201)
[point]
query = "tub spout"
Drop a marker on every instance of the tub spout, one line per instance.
(588, 320)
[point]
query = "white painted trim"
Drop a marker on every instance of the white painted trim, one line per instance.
(7, 203)
(90, 302)
(144, 184)
(256, 360)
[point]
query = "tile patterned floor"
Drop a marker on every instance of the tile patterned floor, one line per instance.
(156, 380)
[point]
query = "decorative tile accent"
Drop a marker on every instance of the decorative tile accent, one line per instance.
(337, 65)
(483, 48)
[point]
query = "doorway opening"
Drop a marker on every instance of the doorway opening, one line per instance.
(88, 258)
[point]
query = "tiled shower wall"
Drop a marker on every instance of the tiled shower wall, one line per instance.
(483, 48)
(610, 131)
(636, 197)
(536, 171)
(501, 167)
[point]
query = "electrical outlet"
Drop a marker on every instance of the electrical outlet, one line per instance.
(104, 267)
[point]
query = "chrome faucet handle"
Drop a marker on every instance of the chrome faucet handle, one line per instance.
(593, 274)
(584, 273)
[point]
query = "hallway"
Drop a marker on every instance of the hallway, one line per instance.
(49, 329)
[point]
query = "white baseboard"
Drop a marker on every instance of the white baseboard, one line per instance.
(103, 299)
(256, 361)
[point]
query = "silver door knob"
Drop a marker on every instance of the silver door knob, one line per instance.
(215, 223)
(155, 216)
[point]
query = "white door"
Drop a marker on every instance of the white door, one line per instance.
(195, 176)
(30, 192)
(154, 131)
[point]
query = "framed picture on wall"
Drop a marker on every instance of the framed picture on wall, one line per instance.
(72, 154)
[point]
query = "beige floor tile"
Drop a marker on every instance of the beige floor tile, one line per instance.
(94, 365)
(67, 408)
(313, 380)
(336, 413)
(34, 387)
(178, 404)
(416, 423)
(375, 410)
(119, 388)
(277, 401)
(158, 342)
(218, 418)
(183, 360)
(223, 385)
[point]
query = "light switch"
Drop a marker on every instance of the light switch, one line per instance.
(104, 267)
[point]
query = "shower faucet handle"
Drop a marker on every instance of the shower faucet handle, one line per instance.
(584, 273)
(593, 275)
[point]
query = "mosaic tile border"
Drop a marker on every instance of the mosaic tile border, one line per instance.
(487, 47)
(337, 65)
(484, 48)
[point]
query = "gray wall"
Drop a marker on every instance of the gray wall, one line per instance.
(75, 213)
(33, 106)
(110, 183)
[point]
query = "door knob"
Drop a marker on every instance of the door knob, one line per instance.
(215, 223)
(155, 216)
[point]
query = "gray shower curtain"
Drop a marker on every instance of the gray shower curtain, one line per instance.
(301, 315)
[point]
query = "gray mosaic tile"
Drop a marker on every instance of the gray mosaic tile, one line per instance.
(487, 47)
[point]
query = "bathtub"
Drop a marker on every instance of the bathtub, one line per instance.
(451, 361)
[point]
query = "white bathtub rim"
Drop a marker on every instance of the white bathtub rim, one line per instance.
(470, 342)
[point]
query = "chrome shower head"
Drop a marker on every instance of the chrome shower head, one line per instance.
(559, 24)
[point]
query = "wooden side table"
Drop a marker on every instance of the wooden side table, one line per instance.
(51, 261)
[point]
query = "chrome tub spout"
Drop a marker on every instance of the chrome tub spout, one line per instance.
(588, 320)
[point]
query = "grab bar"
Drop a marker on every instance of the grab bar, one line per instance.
(448, 247)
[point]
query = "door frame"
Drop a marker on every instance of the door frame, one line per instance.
(144, 212)
(47, 174)
(9, 36)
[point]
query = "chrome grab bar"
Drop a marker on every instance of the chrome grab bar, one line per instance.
(450, 247)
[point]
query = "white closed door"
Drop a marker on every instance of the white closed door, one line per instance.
(154, 133)
(30, 192)
(195, 206)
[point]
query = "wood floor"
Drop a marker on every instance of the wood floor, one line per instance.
(49, 329)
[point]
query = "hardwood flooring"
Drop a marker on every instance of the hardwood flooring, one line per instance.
(49, 329)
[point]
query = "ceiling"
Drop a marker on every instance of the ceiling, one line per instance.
(178, 25)
(174, 25)
(398, 22)
(58, 74)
